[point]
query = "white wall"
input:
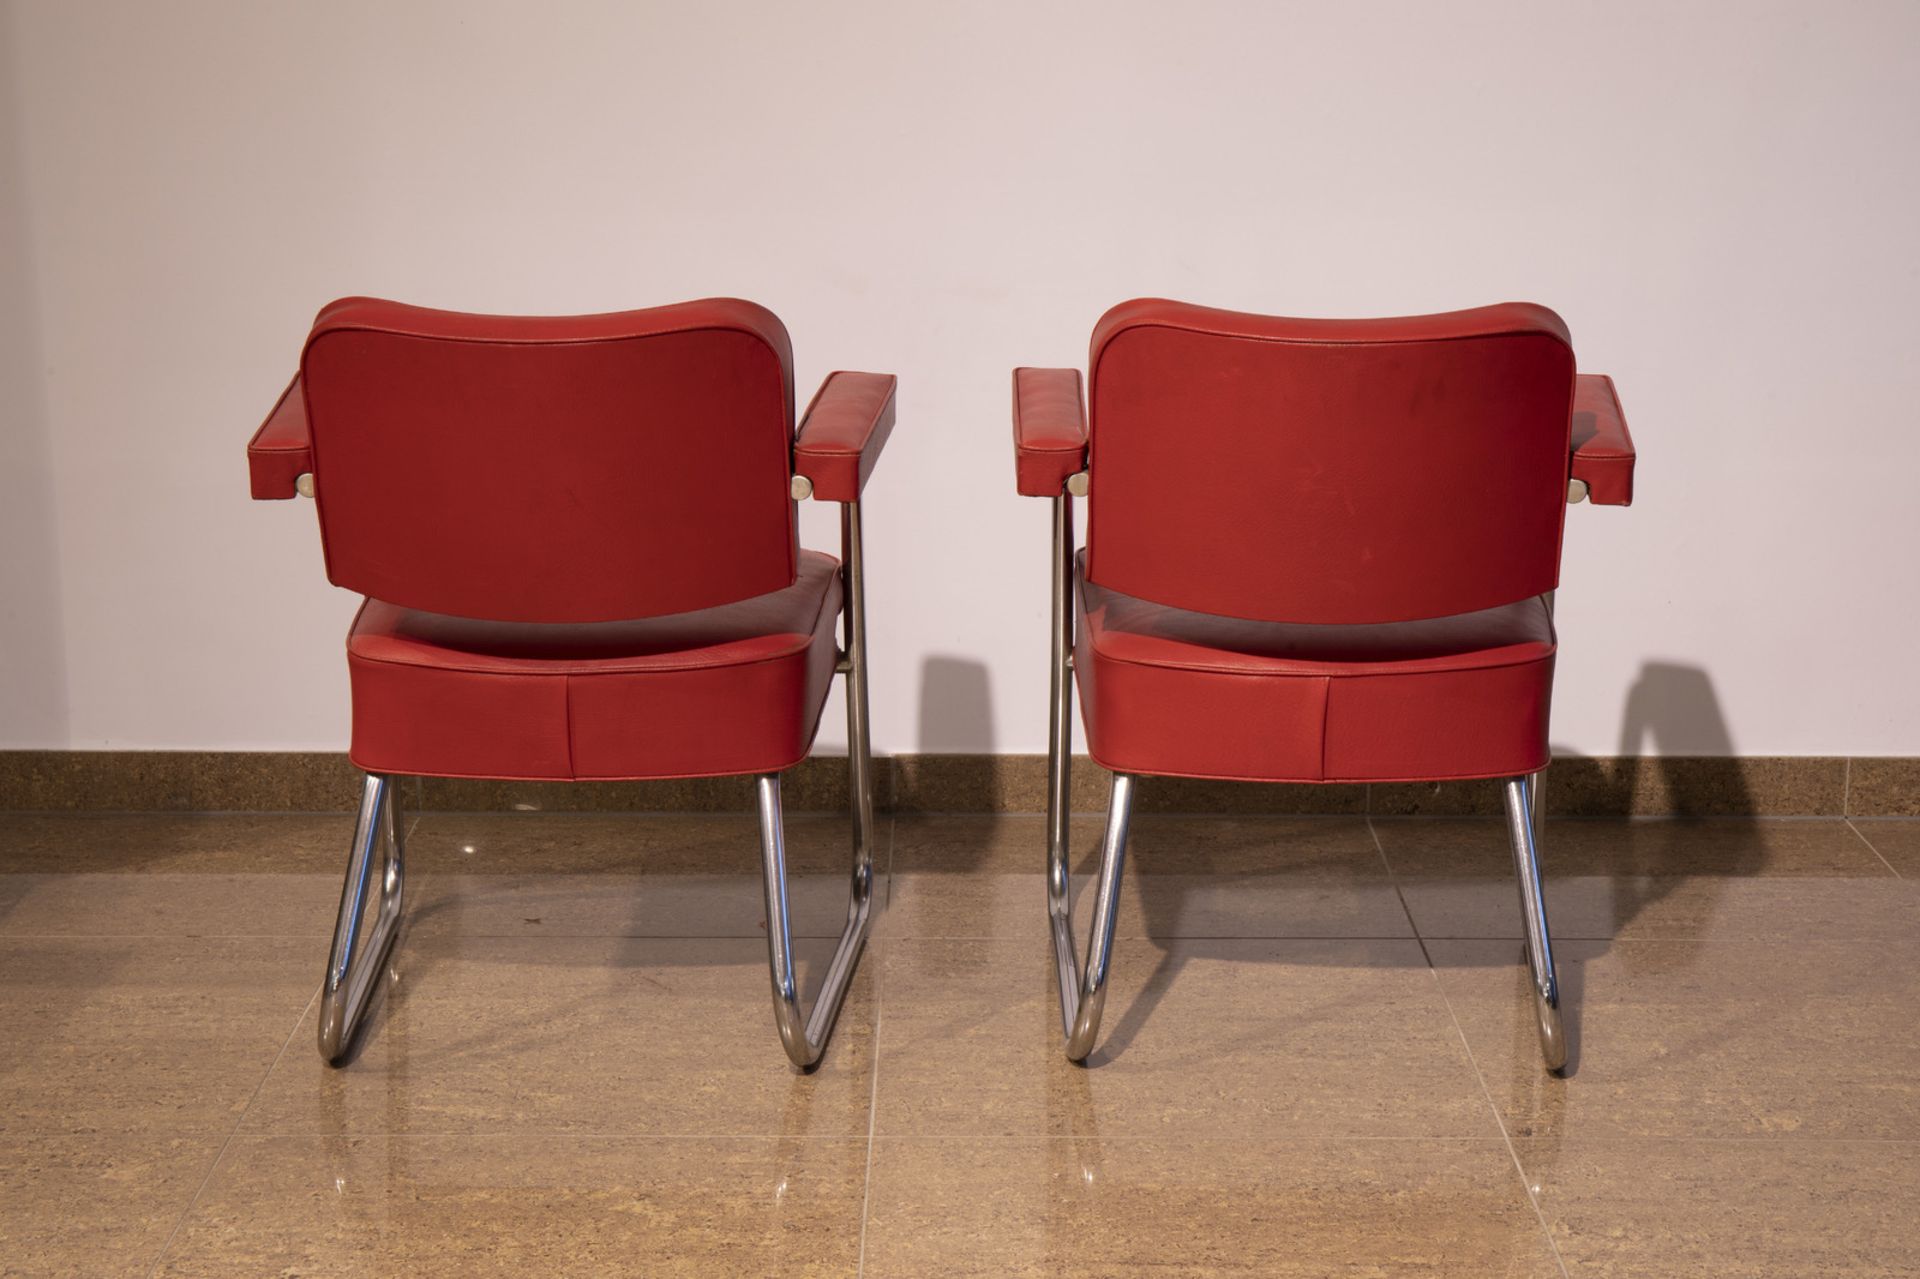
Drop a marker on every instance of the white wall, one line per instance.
(1720, 199)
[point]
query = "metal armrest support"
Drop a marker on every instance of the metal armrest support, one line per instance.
(1049, 429)
(1050, 460)
(841, 435)
(845, 428)
(280, 453)
(1083, 991)
(1601, 468)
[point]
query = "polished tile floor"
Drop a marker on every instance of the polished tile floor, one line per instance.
(1317, 1057)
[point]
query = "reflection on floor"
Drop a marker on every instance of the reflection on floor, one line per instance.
(1317, 1059)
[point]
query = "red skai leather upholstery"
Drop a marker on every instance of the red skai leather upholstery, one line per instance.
(1049, 429)
(1328, 470)
(1317, 550)
(281, 451)
(1602, 449)
(575, 534)
(553, 469)
(733, 689)
(845, 428)
(1171, 692)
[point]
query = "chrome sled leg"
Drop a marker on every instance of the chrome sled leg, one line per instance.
(1522, 827)
(804, 1036)
(1083, 993)
(356, 963)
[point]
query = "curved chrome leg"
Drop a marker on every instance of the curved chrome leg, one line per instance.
(1521, 829)
(1083, 993)
(859, 747)
(803, 1036)
(349, 980)
(1060, 727)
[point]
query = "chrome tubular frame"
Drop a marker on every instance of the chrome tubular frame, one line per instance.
(1083, 992)
(804, 1036)
(1522, 826)
(350, 978)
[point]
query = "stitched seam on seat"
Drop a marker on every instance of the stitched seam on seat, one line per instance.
(1326, 717)
(1093, 372)
(1301, 781)
(1380, 674)
(573, 769)
(391, 331)
(782, 655)
(567, 674)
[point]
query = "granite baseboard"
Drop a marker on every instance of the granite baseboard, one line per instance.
(321, 781)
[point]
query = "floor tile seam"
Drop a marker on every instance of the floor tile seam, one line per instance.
(1760, 940)
(265, 1135)
(1873, 848)
(9, 935)
(1393, 878)
(1486, 1093)
(873, 1114)
(213, 1165)
(535, 1134)
(1701, 819)
(1513, 1152)
(1771, 1140)
(428, 938)
(1169, 937)
(175, 812)
(1301, 1139)
(1094, 814)
(1642, 939)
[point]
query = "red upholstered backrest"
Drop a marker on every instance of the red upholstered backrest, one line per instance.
(554, 468)
(1328, 470)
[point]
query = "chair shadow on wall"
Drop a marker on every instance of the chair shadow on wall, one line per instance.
(1669, 708)
(956, 721)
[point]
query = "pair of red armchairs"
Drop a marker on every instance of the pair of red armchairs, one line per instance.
(1318, 551)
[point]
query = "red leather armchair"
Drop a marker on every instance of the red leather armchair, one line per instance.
(1317, 551)
(577, 540)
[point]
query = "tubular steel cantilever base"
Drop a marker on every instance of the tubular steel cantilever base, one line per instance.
(353, 967)
(351, 973)
(1522, 827)
(1083, 992)
(803, 1036)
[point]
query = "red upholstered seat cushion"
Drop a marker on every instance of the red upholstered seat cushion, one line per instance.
(733, 689)
(1174, 692)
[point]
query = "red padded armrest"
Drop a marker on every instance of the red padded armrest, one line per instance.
(281, 451)
(843, 432)
(1602, 449)
(1049, 430)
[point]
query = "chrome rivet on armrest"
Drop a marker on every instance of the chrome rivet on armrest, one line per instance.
(1077, 484)
(303, 484)
(801, 488)
(1576, 491)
